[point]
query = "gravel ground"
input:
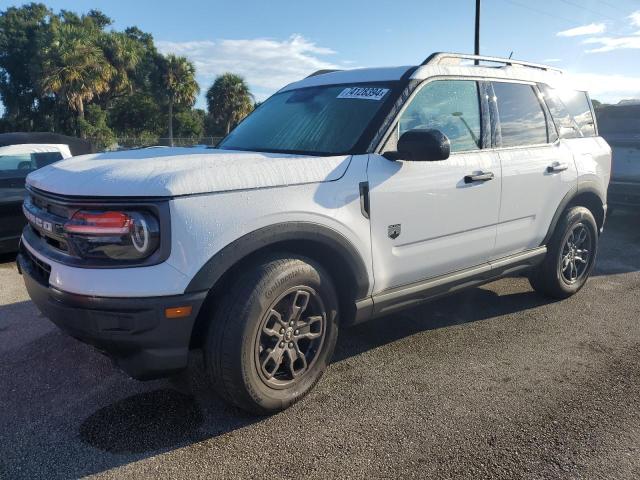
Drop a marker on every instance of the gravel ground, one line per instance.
(494, 382)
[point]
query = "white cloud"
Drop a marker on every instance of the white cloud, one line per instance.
(607, 44)
(590, 29)
(604, 87)
(266, 64)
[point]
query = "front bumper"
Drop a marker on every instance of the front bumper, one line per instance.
(134, 332)
(624, 194)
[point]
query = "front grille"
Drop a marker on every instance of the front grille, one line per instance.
(55, 214)
(40, 270)
(48, 205)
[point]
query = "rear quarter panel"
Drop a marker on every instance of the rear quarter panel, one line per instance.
(593, 161)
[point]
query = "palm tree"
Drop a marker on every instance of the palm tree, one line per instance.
(229, 100)
(178, 79)
(75, 67)
(124, 54)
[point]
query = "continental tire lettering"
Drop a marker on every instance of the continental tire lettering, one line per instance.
(276, 286)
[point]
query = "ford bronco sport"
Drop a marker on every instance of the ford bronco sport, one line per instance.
(345, 196)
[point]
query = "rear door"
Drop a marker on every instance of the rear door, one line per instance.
(425, 220)
(537, 169)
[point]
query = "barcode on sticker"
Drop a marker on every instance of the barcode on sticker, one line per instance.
(364, 93)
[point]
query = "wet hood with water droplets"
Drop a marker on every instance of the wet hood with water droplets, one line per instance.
(162, 172)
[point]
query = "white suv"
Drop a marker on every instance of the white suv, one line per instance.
(345, 196)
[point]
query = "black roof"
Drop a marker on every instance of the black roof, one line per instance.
(77, 146)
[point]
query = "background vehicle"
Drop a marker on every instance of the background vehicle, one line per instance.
(620, 126)
(345, 196)
(20, 154)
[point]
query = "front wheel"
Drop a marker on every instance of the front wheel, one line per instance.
(570, 257)
(274, 333)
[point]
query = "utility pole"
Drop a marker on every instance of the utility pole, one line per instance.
(477, 39)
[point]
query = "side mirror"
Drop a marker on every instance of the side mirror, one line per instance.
(423, 145)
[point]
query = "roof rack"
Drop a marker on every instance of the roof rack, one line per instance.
(322, 72)
(444, 57)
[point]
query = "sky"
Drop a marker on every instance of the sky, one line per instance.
(272, 43)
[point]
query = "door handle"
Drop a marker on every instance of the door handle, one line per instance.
(478, 177)
(557, 167)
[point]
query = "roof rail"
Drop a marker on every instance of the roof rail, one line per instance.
(442, 57)
(322, 72)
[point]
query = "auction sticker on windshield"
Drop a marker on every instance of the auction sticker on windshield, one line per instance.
(364, 93)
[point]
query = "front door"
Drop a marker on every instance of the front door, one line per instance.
(426, 221)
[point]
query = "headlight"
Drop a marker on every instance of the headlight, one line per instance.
(118, 235)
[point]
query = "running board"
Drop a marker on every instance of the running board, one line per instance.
(389, 301)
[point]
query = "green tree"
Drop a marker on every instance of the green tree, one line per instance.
(137, 116)
(189, 124)
(180, 86)
(74, 67)
(124, 54)
(229, 100)
(20, 28)
(94, 126)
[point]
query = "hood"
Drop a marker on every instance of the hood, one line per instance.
(156, 172)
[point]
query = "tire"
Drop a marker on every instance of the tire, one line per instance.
(570, 256)
(255, 358)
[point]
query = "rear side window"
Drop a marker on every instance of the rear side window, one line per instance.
(522, 119)
(577, 104)
(451, 106)
(43, 159)
(567, 126)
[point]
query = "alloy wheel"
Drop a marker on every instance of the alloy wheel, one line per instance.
(290, 337)
(576, 254)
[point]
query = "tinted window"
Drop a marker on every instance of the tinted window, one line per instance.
(567, 127)
(578, 105)
(317, 120)
(20, 164)
(451, 106)
(522, 119)
(45, 158)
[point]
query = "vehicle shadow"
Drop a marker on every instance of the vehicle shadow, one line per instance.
(469, 306)
(65, 411)
(7, 259)
(619, 249)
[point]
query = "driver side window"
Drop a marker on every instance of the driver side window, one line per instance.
(451, 106)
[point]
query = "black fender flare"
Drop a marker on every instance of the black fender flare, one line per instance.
(231, 254)
(566, 201)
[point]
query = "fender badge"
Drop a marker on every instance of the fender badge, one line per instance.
(394, 231)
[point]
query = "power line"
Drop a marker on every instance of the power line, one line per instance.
(587, 9)
(542, 12)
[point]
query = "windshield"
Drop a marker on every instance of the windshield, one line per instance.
(324, 120)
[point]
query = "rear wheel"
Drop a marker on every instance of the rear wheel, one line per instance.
(570, 257)
(273, 335)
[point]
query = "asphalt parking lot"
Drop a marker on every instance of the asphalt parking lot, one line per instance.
(495, 382)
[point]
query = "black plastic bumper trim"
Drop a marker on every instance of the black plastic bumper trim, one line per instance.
(132, 331)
